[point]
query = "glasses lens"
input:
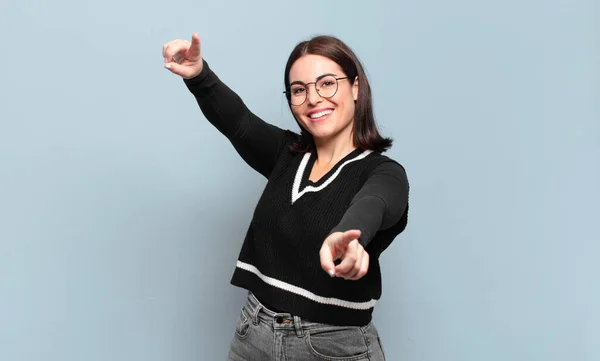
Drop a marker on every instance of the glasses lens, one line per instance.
(297, 94)
(327, 86)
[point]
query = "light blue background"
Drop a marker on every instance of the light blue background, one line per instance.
(122, 210)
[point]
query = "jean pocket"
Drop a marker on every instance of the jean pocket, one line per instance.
(337, 343)
(243, 324)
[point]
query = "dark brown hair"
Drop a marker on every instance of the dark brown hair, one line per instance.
(365, 132)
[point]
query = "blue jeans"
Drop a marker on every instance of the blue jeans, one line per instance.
(263, 335)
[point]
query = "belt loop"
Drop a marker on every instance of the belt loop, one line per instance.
(255, 314)
(298, 326)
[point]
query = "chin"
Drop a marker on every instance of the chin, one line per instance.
(319, 131)
(324, 135)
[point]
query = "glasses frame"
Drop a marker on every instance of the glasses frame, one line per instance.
(337, 86)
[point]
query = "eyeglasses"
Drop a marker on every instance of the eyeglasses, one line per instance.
(325, 85)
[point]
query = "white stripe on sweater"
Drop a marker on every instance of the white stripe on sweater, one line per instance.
(296, 194)
(305, 293)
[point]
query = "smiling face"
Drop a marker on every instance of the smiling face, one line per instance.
(325, 118)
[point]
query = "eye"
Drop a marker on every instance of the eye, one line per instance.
(327, 83)
(298, 90)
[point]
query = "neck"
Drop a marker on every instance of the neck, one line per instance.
(330, 151)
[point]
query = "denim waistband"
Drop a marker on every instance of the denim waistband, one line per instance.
(279, 320)
(283, 320)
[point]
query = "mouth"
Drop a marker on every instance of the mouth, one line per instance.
(320, 115)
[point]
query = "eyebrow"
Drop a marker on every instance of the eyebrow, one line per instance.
(318, 78)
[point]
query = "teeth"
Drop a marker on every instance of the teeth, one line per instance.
(320, 114)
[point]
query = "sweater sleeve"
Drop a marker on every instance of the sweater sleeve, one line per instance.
(379, 204)
(256, 141)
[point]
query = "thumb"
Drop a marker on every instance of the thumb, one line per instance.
(327, 260)
(181, 70)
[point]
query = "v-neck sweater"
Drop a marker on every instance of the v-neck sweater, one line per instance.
(279, 260)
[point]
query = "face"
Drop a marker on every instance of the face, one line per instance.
(325, 118)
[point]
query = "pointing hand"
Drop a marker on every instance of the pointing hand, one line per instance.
(344, 246)
(182, 57)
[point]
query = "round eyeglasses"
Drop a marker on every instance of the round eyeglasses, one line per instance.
(325, 85)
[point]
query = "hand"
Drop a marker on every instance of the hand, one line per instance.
(344, 246)
(183, 58)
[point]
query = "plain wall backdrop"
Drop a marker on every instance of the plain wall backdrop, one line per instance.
(122, 210)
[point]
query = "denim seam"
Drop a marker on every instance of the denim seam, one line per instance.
(363, 330)
(284, 348)
(381, 347)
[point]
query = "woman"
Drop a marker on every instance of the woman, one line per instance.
(331, 205)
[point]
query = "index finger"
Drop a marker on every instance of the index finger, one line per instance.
(351, 235)
(194, 50)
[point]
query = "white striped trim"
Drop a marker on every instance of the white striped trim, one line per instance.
(296, 194)
(305, 293)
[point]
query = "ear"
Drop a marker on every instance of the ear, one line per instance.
(355, 89)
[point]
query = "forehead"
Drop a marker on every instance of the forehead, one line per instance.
(308, 67)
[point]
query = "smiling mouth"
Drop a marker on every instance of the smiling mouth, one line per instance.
(320, 115)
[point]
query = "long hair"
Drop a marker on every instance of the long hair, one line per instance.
(365, 132)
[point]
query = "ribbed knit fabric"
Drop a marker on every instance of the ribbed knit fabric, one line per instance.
(279, 261)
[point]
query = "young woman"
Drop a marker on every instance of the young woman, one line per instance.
(332, 204)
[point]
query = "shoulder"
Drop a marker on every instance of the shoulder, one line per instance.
(383, 165)
(291, 137)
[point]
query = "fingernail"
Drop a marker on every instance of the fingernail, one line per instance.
(331, 273)
(168, 66)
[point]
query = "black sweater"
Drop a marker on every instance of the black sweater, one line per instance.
(279, 261)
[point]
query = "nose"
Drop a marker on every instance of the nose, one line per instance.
(312, 97)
